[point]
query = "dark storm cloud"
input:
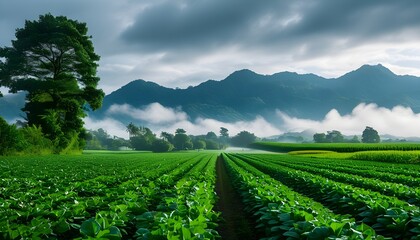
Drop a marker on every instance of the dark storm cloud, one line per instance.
(199, 26)
(187, 24)
(179, 43)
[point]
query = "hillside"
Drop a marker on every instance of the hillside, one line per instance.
(244, 94)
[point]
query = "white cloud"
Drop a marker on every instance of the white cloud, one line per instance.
(399, 121)
(112, 126)
(159, 118)
(259, 126)
(153, 113)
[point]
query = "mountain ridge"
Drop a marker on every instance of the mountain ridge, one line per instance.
(245, 94)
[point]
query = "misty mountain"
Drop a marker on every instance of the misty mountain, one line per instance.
(244, 94)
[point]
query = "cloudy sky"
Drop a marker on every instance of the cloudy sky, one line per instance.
(182, 43)
(185, 42)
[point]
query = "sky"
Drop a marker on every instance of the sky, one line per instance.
(182, 43)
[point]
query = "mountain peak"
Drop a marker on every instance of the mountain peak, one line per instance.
(372, 72)
(378, 68)
(244, 73)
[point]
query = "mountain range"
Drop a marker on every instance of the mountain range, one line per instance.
(244, 94)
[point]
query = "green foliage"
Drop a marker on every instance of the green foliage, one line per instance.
(199, 144)
(108, 196)
(182, 141)
(35, 141)
(280, 211)
(388, 156)
(11, 140)
(370, 135)
(379, 209)
(320, 138)
(336, 147)
(53, 60)
(243, 139)
(161, 145)
(333, 136)
(212, 145)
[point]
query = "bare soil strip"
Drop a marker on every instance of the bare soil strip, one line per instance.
(235, 224)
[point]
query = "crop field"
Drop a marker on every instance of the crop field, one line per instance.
(336, 147)
(308, 198)
(207, 195)
(108, 196)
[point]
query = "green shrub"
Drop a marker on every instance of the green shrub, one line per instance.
(10, 138)
(35, 141)
(160, 145)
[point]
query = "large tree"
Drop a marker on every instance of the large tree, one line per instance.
(370, 135)
(243, 139)
(52, 59)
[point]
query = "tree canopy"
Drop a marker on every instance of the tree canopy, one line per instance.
(243, 139)
(370, 135)
(53, 61)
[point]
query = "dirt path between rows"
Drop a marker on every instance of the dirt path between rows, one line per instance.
(235, 223)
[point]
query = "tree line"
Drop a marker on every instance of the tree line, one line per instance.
(143, 139)
(369, 135)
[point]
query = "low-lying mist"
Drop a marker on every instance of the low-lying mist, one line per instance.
(399, 121)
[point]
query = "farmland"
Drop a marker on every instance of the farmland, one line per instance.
(108, 196)
(207, 195)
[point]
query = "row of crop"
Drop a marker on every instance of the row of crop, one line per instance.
(187, 212)
(394, 174)
(403, 192)
(384, 172)
(403, 170)
(104, 206)
(336, 147)
(387, 215)
(282, 212)
(388, 156)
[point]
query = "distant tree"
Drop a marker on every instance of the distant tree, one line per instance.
(132, 130)
(320, 138)
(115, 143)
(161, 145)
(211, 136)
(143, 139)
(355, 139)
(334, 136)
(224, 137)
(212, 144)
(180, 131)
(53, 61)
(199, 144)
(181, 140)
(167, 136)
(370, 135)
(243, 139)
(224, 132)
(140, 143)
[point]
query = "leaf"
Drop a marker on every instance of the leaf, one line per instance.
(291, 234)
(90, 227)
(114, 233)
(186, 234)
(319, 233)
(61, 226)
